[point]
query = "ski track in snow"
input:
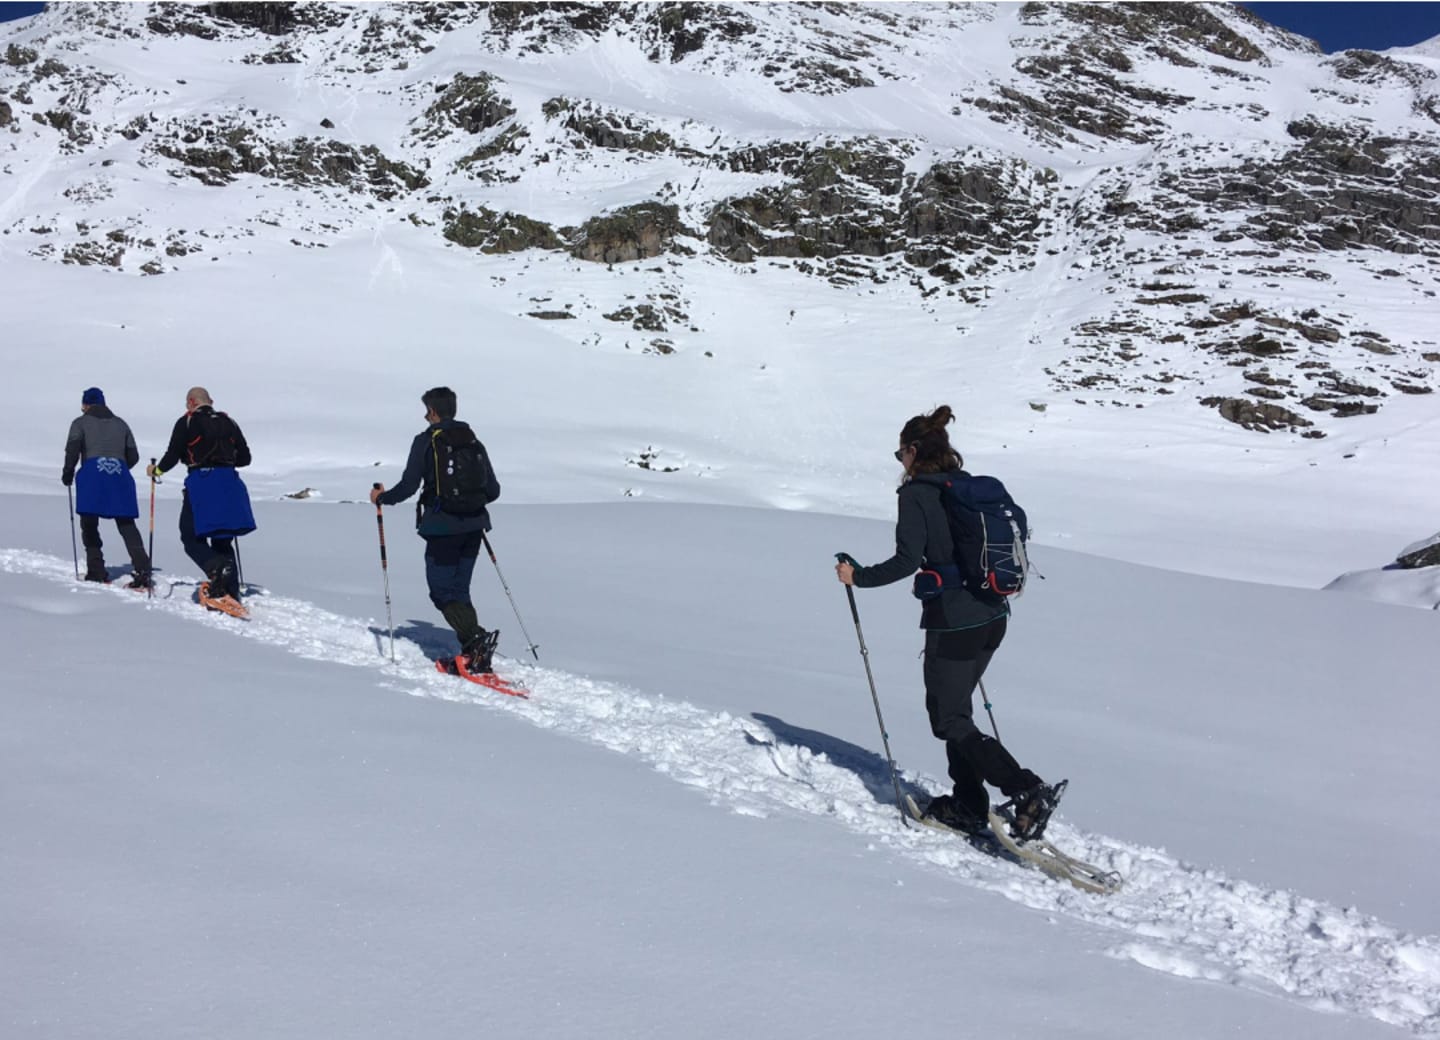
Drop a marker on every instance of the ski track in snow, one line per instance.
(1171, 916)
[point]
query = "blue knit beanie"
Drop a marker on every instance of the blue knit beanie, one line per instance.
(93, 396)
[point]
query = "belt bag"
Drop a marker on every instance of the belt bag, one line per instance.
(933, 581)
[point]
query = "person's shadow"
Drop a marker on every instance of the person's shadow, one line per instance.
(434, 640)
(872, 769)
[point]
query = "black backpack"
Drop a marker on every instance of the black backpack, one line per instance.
(462, 478)
(212, 440)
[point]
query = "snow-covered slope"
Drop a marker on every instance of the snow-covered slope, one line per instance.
(251, 829)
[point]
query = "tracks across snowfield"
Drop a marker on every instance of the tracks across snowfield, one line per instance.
(1170, 916)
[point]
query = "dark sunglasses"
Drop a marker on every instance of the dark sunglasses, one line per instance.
(900, 452)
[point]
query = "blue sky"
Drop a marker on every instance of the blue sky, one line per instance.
(1341, 26)
(1335, 26)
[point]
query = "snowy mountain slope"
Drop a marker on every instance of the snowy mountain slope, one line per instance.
(777, 735)
(1159, 201)
(713, 256)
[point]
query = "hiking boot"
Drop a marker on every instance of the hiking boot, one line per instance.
(141, 583)
(946, 811)
(1032, 810)
(98, 576)
(223, 581)
(479, 651)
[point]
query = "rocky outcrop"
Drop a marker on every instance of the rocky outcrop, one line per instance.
(1426, 554)
(629, 233)
(607, 128)
(217, 153)
(1338, 188)
(471, 104)
(1259, 415)
(492, 232)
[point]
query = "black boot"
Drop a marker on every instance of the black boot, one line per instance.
(946, 811)
(222, 579)
(1033, 808)
(477, 653)
(95, 566)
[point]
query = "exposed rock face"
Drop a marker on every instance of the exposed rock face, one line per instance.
(492, 232)
(218, 154)
(469, 103)
(631, 233)
(1426, 556)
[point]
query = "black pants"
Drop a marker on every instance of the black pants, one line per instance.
(94, 551)
(954, 664)
(208, 553)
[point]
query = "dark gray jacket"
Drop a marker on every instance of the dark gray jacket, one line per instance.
(98, 434)
(429, 521)
(922, 539)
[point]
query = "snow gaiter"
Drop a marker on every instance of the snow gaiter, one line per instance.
(461, 617)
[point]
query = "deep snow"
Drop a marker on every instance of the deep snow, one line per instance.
(251, 830)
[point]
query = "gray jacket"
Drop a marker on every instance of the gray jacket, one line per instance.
(98, 434)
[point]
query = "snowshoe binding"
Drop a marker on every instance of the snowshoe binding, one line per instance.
(1029, 812)
(225, 604)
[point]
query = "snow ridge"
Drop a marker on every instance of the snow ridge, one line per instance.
(1171, 916)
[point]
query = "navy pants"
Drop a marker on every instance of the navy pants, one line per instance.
(449, 564)
(208, 553)
(954, 665)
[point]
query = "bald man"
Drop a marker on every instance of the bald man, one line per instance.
(216, 506)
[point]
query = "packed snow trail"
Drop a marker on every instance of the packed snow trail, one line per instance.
(1171, 916)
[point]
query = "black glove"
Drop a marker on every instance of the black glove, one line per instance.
(68, 477)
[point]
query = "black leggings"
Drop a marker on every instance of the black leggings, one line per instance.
(954, 664)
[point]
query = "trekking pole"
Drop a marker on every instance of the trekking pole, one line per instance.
(150, 592)
(986, 698)
(385, 569)
(239, 570)
(865, 656)
(534, 650)
(74, 549)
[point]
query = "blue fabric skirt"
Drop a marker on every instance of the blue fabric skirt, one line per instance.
(219, 502)
(104, 487)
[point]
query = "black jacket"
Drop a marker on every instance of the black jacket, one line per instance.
(193, 441)
(922, 539)
(429, 521)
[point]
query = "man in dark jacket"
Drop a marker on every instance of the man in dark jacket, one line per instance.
(102, 445)
(452, 471)
(215, 507)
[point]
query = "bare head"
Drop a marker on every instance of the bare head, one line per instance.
(925, 445)
(197, 397)
(439, 401)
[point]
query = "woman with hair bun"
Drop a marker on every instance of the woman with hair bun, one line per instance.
(963, 629)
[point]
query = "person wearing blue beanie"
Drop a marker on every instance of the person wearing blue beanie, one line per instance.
(99, 453)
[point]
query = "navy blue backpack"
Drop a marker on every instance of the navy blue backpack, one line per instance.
(990, 532)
